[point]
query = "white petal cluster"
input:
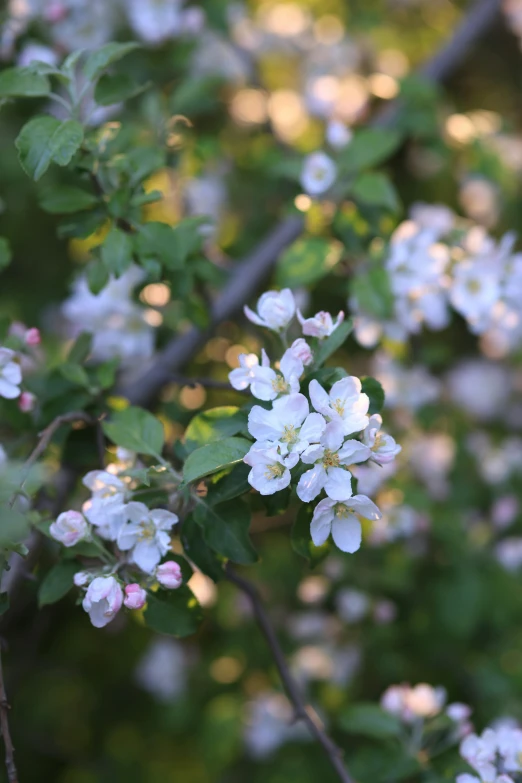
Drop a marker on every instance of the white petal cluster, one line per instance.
(327, 434)
(10, 374)
(495, 755)
(318, 174)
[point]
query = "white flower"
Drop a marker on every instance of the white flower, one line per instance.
(345, 403)
(341, 519)
(383, 446)
(321, 325)
(103, 600)
(275, 310)
(352, 605)
(289, 425)
(250, 373)
(480, 753)
(337, 134)
(146, 534)
(270, 469)
(69, 528)
(509, 745)
(421, 701)
(302, 351)
(318, 174)
(270, 383)
(458, 712)
(155, 21)
(106, 508)
(474, 292)
(329, 459)
(10, 374)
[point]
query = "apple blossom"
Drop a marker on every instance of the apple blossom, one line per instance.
(10, 374)
(474, 291)
(480, 753)
(270, 469)
(106, 508)
(302, 351)
(321, 325)
(169, 575)
(341, 519)
(289, 425)
(270, 383)
(135, 596)
(275, 310)
(251, 373)
(344, 403)
(383, 447)
(318, 174)
(330, 458)
(146, 534)
(70, 528)
(26, 402)
(103, 600)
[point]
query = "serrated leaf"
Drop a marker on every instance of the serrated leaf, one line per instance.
(306, 261)
(331, 344)
(100, 59)
(116, 251)
(57, 583)
(375, 392)
(213, 457)
(174, 612)
(226, 530)
(137, 430)
(44, 140)
(5, 253)
(65, 199)
(371, 721)
(23, 83)
(214, 424)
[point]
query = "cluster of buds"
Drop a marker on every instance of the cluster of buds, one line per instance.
(337, 433)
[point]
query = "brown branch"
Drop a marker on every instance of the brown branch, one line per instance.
(301, 710)
(12, 774)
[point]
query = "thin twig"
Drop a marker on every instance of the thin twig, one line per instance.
(301, 710)
(248, 274)
(12, 774)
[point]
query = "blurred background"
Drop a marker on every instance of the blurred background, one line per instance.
(239, 92)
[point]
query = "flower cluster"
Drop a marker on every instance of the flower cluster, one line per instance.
(495, 755)
(140, 538)
(14, 358)
(436, 262)
(319, 437)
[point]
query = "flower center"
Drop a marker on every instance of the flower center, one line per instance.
(279, 385)
(331, 459)
(108, 492)
(289, 435)
(274, 471)
(341, 510)
(338, 406)
(474, 286)
(148, 530)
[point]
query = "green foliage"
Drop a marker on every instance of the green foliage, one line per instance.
(376, 190)
(302, 542)
(5, 253)
(173, 612)
(331, 344)
(23, 83)
(137, 430)
(373, 388)
(214, 424)
(109, 54)
(370, 720)
(373, 293)
(45, 140)
(305, 262)
(57, 582)
(65, 199)
(225, 530)
(116, 251)
(368, 148)
(213, 457)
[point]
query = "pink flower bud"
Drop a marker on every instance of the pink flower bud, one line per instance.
(135, 596)
(32, 337)
(302, 351)
(55, 12)
(26, 402)
(81, 578)
(69, 528)
(169, 575)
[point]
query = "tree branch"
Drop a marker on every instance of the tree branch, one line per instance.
(301, 710)
(12, 774)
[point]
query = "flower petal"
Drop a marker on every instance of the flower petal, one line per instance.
(346, 533)
(311, 483)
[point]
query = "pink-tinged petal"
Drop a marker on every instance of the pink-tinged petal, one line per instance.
(321, 524)
(353, 451)
(347, 534)
(313, 428)
(338, 485)
(253, 316)
(311, 483)
(333, 435)
(319, 397)
(338, 320)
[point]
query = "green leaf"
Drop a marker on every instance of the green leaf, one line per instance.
(81, 349)
(23, 83)
(75, 373)
(44, 140)
(373, 293)
(302, 540)
(198, 551)
(137, 430)
(376, 190)
(106, 373)
(116, 251)
(369, 148)
(188, 238)
(327, 376)
(375, 392)
(225, 530)
(306, 261)
(173, 612)
(97, 61)
(97, 276)
(116, 88)
(57, 582)
(157, 240)
(4, 603)
(213, 457)
(214, 424)
(5, 253)
(231, 486)
(64, 199)
(333, 343)
(13, 526)
(370, 721)
(277, 503)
